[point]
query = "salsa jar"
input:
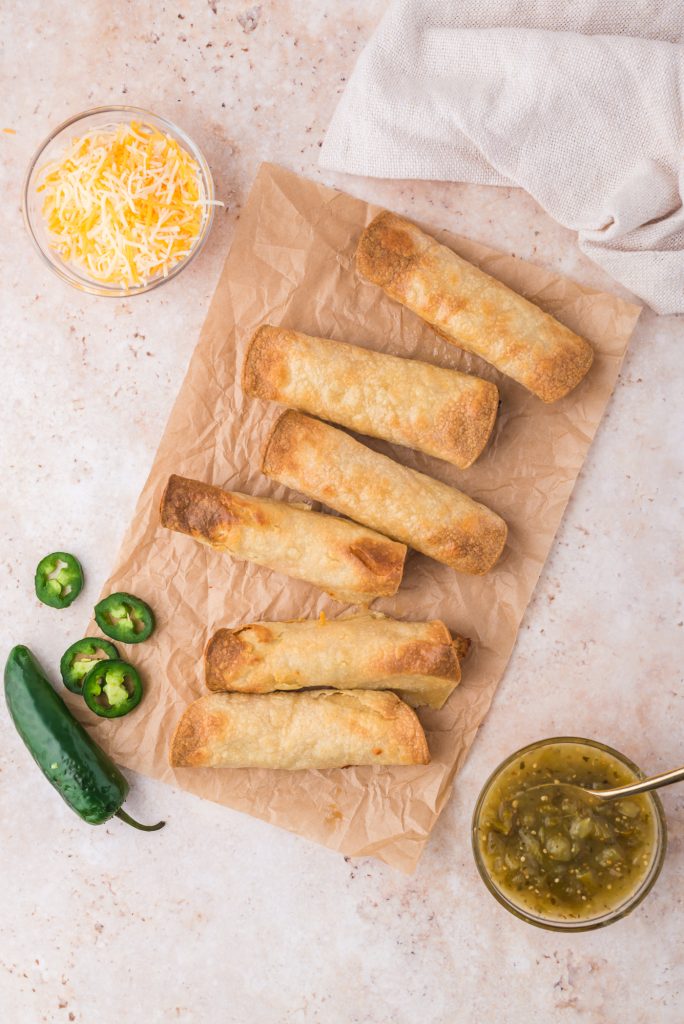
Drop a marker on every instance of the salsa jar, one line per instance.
(558, 860)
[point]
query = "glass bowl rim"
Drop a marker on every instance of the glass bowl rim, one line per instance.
(567, 926)
(69, 274)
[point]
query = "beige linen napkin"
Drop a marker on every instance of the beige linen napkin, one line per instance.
(578, 103)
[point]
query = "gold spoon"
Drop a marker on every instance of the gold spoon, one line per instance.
(596, 796)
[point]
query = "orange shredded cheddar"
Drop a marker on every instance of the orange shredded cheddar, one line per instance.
(10, 131)
(322, 619)
(124, 204)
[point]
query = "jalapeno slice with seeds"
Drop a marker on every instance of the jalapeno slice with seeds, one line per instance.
(125, 617)
(112, 688)
(58, 579)
(77, 660)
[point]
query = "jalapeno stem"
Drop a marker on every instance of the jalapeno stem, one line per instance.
(136, 824)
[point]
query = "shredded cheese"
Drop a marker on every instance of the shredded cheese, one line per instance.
(124, 204)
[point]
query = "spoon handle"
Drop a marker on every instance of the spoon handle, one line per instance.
(644, 785)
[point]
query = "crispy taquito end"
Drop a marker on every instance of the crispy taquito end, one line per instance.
(418, 660)
(353, 564)
(312, 729)
(330, 466)
(442, 412)
(471, 309)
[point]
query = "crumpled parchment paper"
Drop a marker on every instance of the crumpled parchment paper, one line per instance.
(291, 263)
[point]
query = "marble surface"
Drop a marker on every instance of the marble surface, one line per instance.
(220, 919)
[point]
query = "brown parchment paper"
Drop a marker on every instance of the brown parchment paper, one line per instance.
(291, 263)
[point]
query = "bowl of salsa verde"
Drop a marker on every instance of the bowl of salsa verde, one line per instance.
(556, 859)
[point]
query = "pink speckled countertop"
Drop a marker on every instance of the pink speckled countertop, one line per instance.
(220, 919)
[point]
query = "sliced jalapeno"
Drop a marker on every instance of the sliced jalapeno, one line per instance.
(112, 688)
(125, 617)
(59, 579)
(78, 660)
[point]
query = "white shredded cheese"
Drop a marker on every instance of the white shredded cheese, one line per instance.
(124, 204)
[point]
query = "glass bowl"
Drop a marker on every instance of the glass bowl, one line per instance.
(54, 146)
(584, 924)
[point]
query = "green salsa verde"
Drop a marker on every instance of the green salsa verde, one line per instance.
(554, 854)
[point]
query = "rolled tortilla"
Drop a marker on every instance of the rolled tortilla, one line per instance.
(431, 517)
(418, 660)
(441, 412)
(315, 729)
(352, 564)
(471, 309)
